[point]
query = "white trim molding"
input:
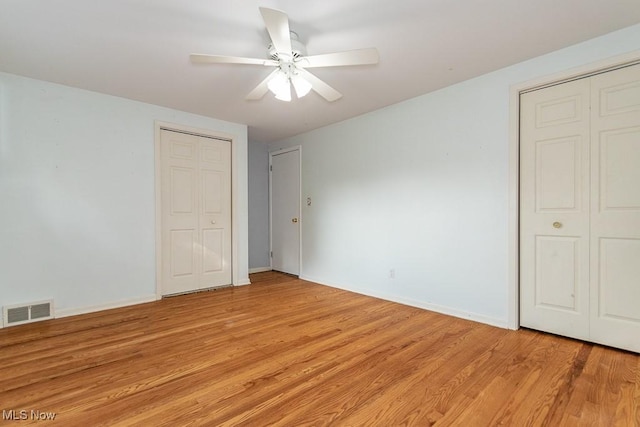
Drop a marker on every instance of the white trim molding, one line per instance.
(513, 283)
(449, 311)
(92, 309)
(259, 270)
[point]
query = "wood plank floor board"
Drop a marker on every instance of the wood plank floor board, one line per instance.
(500, 401)
(434, 391)
(375, 386)
(284, 351)
(547, 381)
(471, 395)
(317, 379)
(356, 381)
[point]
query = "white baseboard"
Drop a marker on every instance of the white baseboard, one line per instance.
(92, 309)
(242, 282)
(259, 270)
(449, 311)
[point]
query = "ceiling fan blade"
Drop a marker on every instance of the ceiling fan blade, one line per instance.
(341, 59)
(323, 89)
(261, 89)
(277, 24)
(221, 59)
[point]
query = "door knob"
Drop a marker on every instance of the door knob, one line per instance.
(213, 222)
(557, 224)
(294, 220)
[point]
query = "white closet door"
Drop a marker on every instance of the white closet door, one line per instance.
(615, 208)
(196, 212)
(580, 209)
(554, 209)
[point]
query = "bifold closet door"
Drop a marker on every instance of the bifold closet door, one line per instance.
(196, 212)
(615, 208)
(580, 209)
(554, 209)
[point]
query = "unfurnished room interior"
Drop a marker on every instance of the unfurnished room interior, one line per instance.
(354, 213)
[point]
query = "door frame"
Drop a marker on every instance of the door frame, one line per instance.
(513, 281)
(297, 148)
(207, 133)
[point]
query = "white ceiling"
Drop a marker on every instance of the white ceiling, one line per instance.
(139, 49)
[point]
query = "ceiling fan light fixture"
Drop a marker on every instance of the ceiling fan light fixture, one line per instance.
(279, 85)
(284, 94)
(301, 86)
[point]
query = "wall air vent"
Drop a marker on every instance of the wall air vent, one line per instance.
(27, 313)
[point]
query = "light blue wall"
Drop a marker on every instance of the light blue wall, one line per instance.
(77, 215)
(259, 206)
(422, 188)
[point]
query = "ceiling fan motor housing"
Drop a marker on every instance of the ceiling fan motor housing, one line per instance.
(297, 48)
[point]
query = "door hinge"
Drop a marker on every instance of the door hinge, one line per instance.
(270, 168)
(271, 254)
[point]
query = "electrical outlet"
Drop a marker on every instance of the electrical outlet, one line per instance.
(392, 273)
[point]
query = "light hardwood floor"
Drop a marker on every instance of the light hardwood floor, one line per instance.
(288, 352)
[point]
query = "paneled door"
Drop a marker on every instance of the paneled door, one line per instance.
(554, 209)
(580, 209)
(196, 212)
(285, 210)
(615, 208)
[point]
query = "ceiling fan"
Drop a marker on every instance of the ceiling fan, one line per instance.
(288, 55)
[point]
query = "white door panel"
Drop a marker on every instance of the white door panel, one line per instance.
(285, 211)
(181, 256)
(215, 212)
(557, 284)
(554, 208)
(196, 212)
(619, 172)
(615, 208)
(558, 175)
